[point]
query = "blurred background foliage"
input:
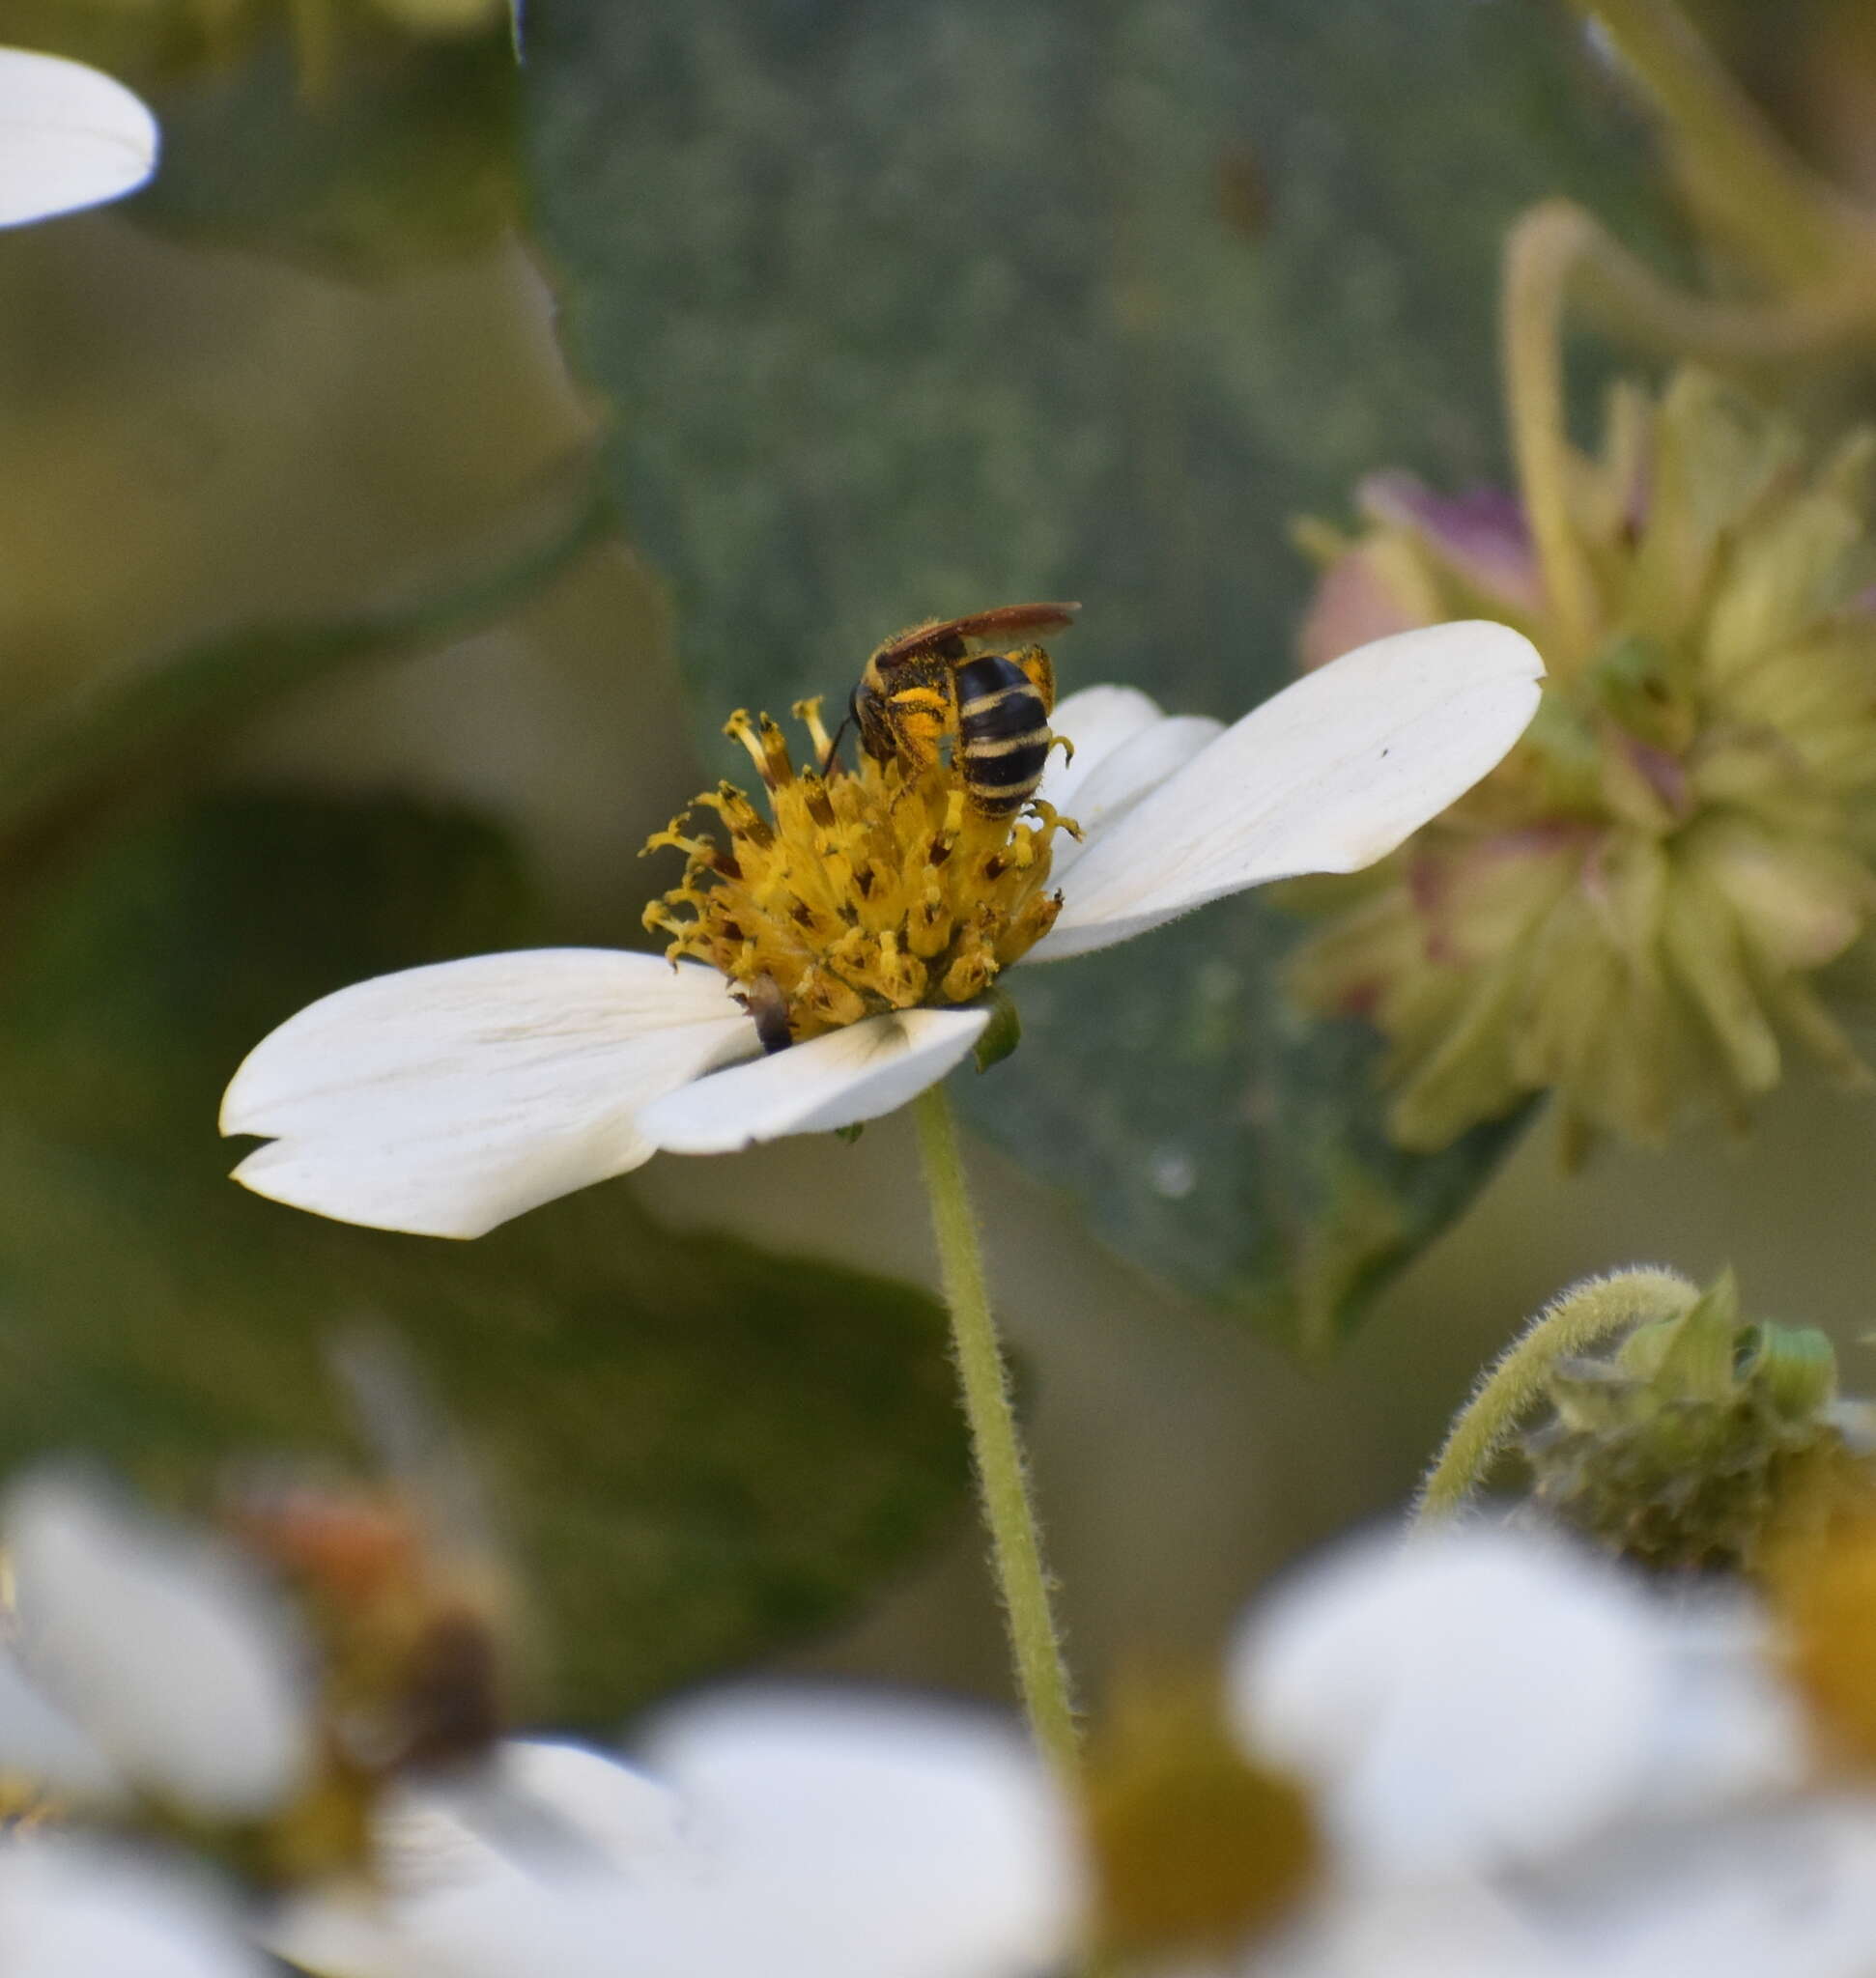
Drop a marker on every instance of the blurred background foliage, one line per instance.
(346, 623)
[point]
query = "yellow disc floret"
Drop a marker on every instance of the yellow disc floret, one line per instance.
(861, 891)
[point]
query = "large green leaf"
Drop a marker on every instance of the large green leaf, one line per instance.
(913, 310)
(700, 1450)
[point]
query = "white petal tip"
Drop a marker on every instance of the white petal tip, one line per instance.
(69, 137)
(281, 1174)
(445, 1100)
(1329, 775)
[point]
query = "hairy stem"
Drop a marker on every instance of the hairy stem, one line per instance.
(1508, 1389)
(1003, 1482)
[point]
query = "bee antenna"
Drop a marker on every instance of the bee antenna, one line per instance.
(839, 735)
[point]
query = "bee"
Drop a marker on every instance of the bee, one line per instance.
(962, 681)
(414, 1600)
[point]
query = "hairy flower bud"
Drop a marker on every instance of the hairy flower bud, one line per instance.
(1700, 1443)
(1631, 909)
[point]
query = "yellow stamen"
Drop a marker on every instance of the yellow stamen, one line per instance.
(861, 891)
(808, 714)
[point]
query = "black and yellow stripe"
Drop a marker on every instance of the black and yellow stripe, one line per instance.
(1003, 733)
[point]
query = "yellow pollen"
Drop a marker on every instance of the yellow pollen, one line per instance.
(861, 891)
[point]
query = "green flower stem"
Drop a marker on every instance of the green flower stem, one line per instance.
(1581, 1316)
(1797, 226)
(1015, 1541)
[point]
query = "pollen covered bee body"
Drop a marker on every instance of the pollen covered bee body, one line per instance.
(969, 683)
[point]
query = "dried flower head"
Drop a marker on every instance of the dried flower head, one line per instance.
(1631, 911)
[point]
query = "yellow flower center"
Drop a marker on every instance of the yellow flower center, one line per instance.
(1191, 1845)
(861, 891)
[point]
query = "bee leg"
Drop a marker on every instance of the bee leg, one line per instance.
(919, 719)
(1038, 669)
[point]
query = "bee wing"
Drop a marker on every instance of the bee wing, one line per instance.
(981, 631)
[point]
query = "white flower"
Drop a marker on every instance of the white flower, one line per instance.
(69, 137)
(1478, 1699)
(75, 1910)
(1527, 1766)
(445, 1100)
(795, 1835)
(144, 1659)
(1531, 1765)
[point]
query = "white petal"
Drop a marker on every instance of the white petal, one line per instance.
(1463, 1702)
(817, 1837)
(1326, 777)
(481, 1874)
(1452, 1927)
(444, 1100)
(1731, 1733)
(1790, 1895)
(73, 1909)
(69, 137)
(1098, 720)
(162, 1647)
(541, 1807)
(863, 1072)
(1127, 774)
(40, 1743)
(874, 1839)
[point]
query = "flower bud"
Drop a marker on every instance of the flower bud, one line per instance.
(1699, 1443)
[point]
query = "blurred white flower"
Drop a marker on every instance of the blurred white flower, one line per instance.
(794, 1835)
(1479, 1698)
(445, 1100)
(69, 137)
(75, 1910)
(1528, 1768)
(144, 1659)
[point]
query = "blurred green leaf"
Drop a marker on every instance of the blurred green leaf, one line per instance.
(699, 1449)
(356, 147)
(916, 310)
(145, 722)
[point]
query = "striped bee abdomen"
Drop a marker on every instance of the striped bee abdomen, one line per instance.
(1003, 733)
